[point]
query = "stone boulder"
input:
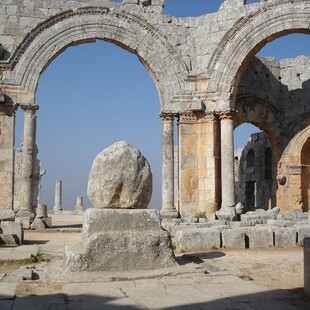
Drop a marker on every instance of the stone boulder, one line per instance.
(120, 177)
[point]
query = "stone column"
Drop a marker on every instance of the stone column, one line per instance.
(58, 194)
(26, 209)
(79, 207)
(227, 166)
(168, 210)
(7, 135)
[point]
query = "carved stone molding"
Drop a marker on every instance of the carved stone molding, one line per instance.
(188, 118)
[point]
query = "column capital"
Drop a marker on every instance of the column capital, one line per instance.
(8, 109)
(167, 116)
(227, 115)
(29, 108)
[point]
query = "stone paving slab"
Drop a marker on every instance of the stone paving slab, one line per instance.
(18, 253)
(7, 291)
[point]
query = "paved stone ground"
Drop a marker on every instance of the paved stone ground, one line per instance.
(198, 283)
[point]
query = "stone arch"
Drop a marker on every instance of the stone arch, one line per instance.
(246, 38)
(84, 25)
(263, 115)
(291, 195)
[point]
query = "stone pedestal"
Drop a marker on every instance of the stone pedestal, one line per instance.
(120, 240)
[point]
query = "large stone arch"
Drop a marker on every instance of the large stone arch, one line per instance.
(51, 37)
(246, 38)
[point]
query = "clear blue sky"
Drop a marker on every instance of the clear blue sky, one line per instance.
(95, 94)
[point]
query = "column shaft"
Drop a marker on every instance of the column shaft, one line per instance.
(58, 196)
(168, 209)
(28, 156)
(227, 160)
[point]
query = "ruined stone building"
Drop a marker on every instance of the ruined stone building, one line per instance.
(207, 79)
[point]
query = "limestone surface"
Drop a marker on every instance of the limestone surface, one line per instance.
(120, 177)
(120, 240)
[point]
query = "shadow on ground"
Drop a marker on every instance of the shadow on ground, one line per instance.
(274, 299)
(198, 258)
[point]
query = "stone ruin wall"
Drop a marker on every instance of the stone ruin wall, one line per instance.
(195, 63)
(284, 87)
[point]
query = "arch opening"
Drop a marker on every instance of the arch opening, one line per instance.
(252, 159)
(88, 103)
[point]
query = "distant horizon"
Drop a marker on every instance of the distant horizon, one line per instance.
(95, 94)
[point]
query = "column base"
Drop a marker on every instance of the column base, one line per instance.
(226, 214)
(169, 214)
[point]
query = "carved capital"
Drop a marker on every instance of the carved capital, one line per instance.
(8, 109)
(167, 117)
(227, 115)
(29, 108)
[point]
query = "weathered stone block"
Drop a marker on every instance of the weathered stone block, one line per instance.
(233, 238)
(121, 240)
(7, 215)
(37, 224)
(197, 239)
(303, 232)
(259, 237)
(285, 237)
(13, 229)
(41, 211)
(25, 221)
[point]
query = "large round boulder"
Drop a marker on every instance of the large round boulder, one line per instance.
(120, 177)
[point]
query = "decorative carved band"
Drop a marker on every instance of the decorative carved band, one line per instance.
(188, 118)
(191, 117)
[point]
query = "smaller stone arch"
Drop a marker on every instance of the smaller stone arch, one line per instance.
(293, 165)
(246, 38)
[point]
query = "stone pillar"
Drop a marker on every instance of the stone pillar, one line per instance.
(58, 194)
(168, 210)
(307, 266)
(7, 135)
(26, 209)
(227, 166)
(79, 207)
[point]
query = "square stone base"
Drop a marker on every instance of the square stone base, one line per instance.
(120, 240)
